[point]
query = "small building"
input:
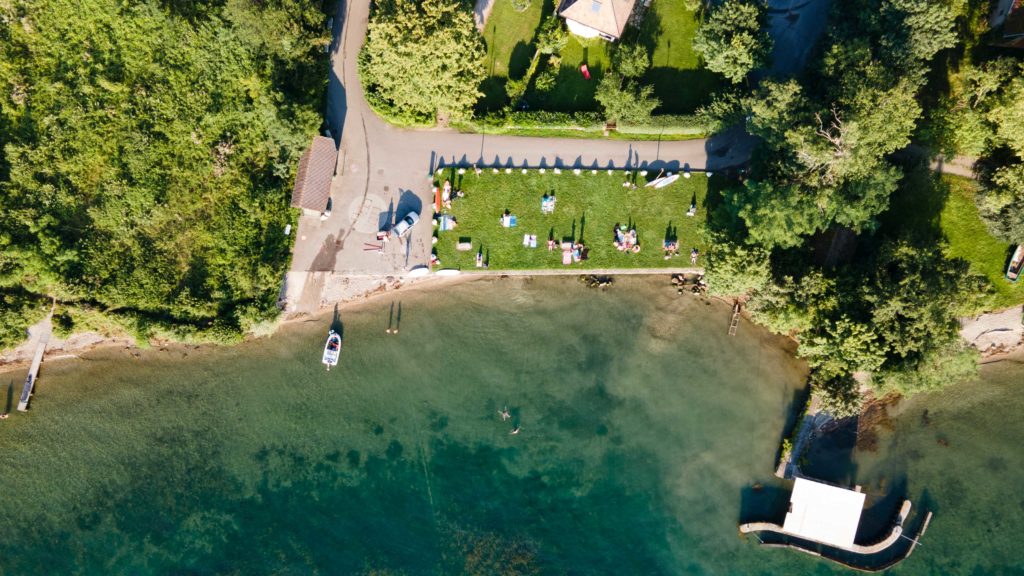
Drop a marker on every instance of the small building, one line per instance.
(823, 519)
(597, 18)
(313, 180)
(824, 513)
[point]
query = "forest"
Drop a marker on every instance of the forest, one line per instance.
(148, 150)
(831, 233)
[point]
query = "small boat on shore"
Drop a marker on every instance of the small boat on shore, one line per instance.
(1016, 263)
(332, 349)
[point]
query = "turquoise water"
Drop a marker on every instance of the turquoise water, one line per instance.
(643, 429)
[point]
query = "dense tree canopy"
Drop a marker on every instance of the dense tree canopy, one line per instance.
(824, 158)
(625, 102)
(824, 169)
(732, 40)
(891, 314)
(423, 59)
(631, 60)
(148, 153)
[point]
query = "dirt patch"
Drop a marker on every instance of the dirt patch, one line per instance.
(995, 333)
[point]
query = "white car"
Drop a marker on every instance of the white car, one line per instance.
(405, 224)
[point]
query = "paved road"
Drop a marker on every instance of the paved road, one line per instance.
(383, 171)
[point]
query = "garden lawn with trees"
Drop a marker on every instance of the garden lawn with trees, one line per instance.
(969, 239)
(587, 208)
(425, 63)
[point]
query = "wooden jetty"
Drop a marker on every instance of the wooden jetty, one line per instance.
(33, 371)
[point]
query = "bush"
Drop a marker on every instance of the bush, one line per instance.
(539, 119)
(546, 81)
(684, 124)
(839, 396)
(516, 88)
(18, 311)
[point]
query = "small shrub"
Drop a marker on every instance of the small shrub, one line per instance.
(546, 81)
(517, 88)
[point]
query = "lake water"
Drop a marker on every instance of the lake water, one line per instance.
(643, 429)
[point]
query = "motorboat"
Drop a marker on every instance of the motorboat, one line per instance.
(332, 349)
(1016, 263)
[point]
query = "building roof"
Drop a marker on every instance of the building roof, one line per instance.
(313, 179)
(824, 513)
(606, 16)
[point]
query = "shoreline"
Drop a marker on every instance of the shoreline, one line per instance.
(350, 297)
(84, 342)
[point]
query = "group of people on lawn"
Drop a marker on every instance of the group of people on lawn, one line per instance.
(625, 237)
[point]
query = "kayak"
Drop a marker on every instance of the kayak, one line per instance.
(662, 182)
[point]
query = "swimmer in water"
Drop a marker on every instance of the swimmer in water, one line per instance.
(505, 414)
(515, 430)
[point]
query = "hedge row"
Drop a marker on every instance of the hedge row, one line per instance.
(680, 125)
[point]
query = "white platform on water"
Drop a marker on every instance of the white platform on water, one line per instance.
(824, 513)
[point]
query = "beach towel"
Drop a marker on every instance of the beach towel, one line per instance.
(567, 257)
(533, 241)
(526, 240)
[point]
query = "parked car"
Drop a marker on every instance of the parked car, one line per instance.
(405, 224)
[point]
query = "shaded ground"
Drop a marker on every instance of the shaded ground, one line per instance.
(795, 27)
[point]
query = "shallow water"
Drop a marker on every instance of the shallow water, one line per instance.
(643, 429)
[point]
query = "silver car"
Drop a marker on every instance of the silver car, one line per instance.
(405, 224)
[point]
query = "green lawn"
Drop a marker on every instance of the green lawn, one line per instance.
(572, 91)
(676, 74)
(667, 32)
(969, 239)
(587, 209)
(509, 38)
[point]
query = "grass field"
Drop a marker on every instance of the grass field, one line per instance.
(509, 35)
(667, 32)
(676, 74)
(969, 239)
(588, 207)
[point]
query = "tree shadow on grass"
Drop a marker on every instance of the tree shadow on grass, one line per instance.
(915, 208)
(494, 95)
(572, 92)
(519, 61)
(681, 91)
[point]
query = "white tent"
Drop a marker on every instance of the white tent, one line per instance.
(824, 513)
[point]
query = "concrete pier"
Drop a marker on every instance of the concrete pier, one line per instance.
(33, 372)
